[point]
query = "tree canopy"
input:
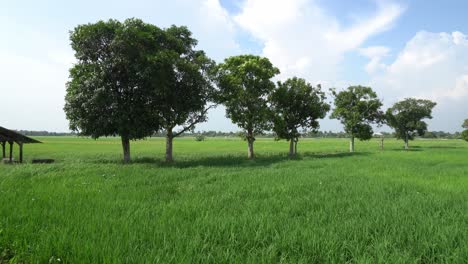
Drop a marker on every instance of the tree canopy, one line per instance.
(464, 134)
(187, 87)
(296, 105)
(111, 86)
(133, 79)
(244, 84)
(406, 117)
(357, 108)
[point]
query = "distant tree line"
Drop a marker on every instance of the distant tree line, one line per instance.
(135, 80)
(44, 133)
(231, 134)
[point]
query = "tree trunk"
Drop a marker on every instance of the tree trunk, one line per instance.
(406, 141)
(250, 141)
(295, 146)
(351, 144)
(382, 143)
(126, 149)
(169, 138)
(291, 147)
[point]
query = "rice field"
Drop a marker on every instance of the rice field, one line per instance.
(213, 205)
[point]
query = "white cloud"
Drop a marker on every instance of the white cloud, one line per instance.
(298, 36)
(303, 39)
(432, 66)
(375, 54)
(34, 62)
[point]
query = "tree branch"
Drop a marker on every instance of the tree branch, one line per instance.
(194, 122)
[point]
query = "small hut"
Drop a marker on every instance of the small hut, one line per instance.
(11, 137)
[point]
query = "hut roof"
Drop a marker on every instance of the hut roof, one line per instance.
(10, 135)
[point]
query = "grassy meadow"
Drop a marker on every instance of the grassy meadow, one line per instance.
(212, 205)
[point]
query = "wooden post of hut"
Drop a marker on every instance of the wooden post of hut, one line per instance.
(11, 150)
(20, 152)
(3, 149)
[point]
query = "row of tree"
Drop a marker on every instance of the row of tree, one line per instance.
(267, 134)
(133, 79)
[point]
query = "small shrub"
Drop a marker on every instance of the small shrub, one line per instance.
(199, 138)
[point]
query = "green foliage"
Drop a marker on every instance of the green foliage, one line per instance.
(133, 78)
(357, 108)
(245, 84)
(214, 206)
(429, 134)
(464, 135)
(465, 123)
(406, 117)
(295, 105)
(109, 87)
(188, 86)
(200, 137)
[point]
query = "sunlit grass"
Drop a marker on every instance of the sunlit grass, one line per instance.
(214, 205)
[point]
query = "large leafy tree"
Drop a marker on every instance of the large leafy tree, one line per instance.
(465, 124)
(406, 117)
(296, 105)
(244, 84)
(357, 108)
(111, 86)
(187, 90)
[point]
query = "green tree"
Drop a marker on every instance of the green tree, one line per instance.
(465, 124)
(187, 90)
(464, 134)
(110, 86)
(406, 118)
(357, 108)
(244, 84)
(295, 105)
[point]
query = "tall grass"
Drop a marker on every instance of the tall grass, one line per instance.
(214, 205)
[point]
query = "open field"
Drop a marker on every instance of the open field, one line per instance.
(214, 205)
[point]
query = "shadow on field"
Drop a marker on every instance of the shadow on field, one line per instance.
(422, 148)
(443, 147)
(412, 148)
(241, 160)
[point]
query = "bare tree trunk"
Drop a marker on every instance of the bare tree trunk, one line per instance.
(382, 143)
(126, 149)
(351, 144)
(406, 141)
(291, 147)
(169, 139)
(250, 141)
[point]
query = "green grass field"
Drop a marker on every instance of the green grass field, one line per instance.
(215, 206)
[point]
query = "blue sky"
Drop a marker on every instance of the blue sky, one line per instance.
(401, 48)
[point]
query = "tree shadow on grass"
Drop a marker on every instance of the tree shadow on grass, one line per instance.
(442, 147)
(262, 160)
(411, 149)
